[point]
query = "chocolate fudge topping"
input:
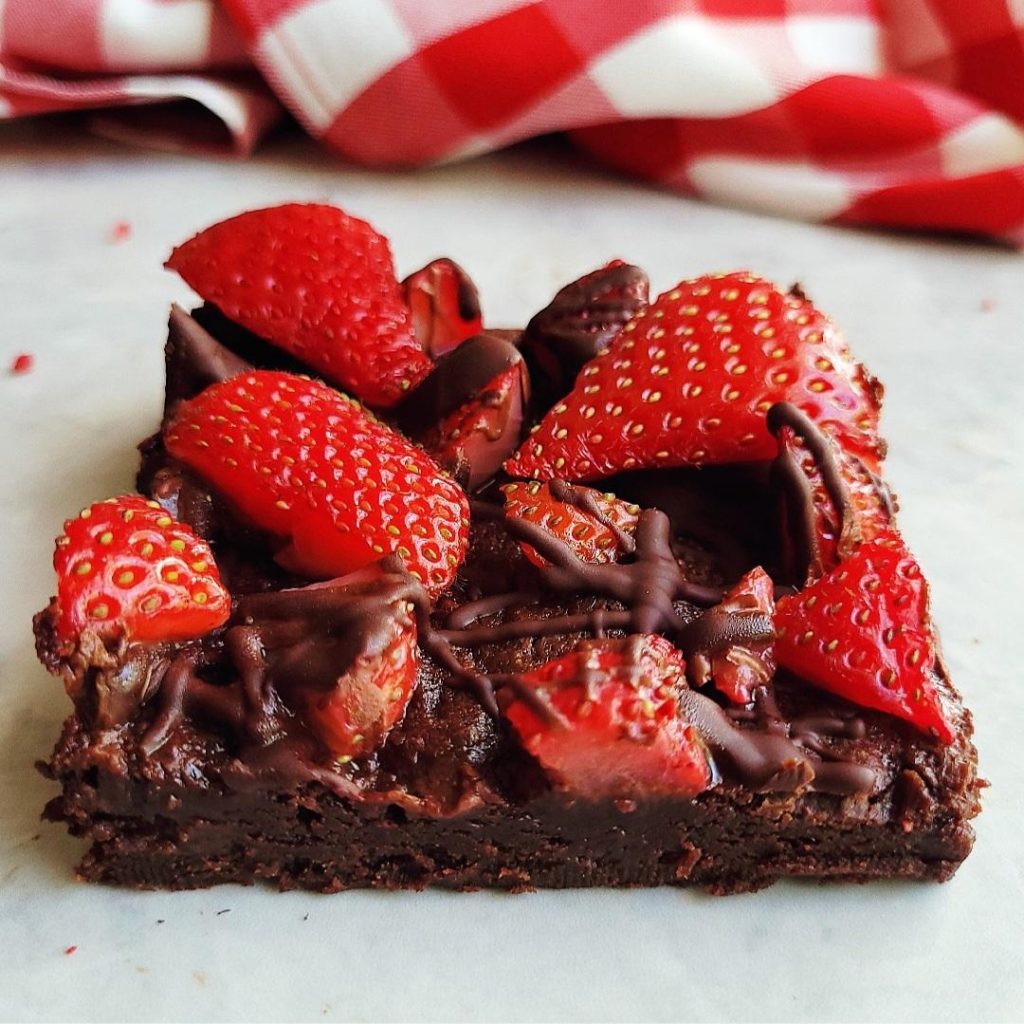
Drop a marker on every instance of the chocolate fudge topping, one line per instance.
(579, 322)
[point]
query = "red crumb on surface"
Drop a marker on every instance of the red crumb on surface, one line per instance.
(22, 363)
(987, 305)
(121, 231)
(70, 950)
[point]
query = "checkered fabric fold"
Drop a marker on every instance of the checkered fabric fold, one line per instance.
(907, 113)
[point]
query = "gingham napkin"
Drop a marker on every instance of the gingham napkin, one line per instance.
(897, 112)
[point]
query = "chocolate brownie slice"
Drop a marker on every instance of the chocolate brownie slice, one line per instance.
(194, 761)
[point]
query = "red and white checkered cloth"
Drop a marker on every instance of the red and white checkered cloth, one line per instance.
(898, 112)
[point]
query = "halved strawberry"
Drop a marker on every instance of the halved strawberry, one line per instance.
(597, 527)
(832, 502)
(863, 632)
(579, 322)
(444, 304)
(318, 283)
(688, 381)
(314, 468)
(126, 568)
(731, 644)
(614, 727)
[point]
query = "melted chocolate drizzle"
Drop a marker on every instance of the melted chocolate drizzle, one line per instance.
(457, 377)
(718, 629)
(647, 585)
(585, 499)
(464, 376)
(799, 495)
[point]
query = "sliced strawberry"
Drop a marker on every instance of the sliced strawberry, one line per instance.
(126, 568)
(355, 715)
(832, 502)
(863, 632)
(731, 644)
(314, 468)
(597, 527)
(318, 283)
(689, 380)
(444, 304)
(579, 322)
(469, 412)
(612, 727)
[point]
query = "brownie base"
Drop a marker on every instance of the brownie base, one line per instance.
(322, 845)
(193, 834)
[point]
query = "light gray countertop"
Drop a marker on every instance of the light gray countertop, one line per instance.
(941, 322)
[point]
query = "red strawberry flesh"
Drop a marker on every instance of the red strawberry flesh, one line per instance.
(318, 283)
(832, 502)
(731, 644)
(614, 727)
(689, 380)
(444, 304)
(125, 568)
(371, 696)
(338, 488)
(863, 632)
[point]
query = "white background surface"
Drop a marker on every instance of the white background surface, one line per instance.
(93, 314)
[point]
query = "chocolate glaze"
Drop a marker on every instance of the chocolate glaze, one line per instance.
(720, 630)
(186, 497)
(647, 585)
(579, 322)
(595, 622)
(468, 613)
(194, 360)
(717, 629)
(287, 643)
(134, 677)
(769, 760)
(465, 376)
(457, 377)
(184, 693)
(801, 513)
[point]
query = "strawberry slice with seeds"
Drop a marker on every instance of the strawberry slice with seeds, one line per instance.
(597, 527)
(319, 284)
(731, 644)
(444, 304)
(832, 502)
(604, 721)
(863, 632)
(338, 488)
(126, 568)
(689, 380)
